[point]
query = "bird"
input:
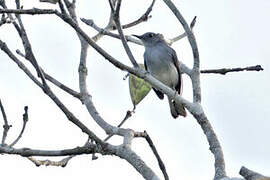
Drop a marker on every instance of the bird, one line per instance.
(161, 61)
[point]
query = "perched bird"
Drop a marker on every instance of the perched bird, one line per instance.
(161, 61)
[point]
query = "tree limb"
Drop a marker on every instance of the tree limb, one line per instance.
(27, 152)
(198, 113)
(252, 175)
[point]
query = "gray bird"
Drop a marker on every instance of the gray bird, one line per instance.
(161, 61)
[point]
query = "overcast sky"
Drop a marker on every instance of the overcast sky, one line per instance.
(229, 34)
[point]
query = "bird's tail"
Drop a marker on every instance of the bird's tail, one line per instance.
(176, 109)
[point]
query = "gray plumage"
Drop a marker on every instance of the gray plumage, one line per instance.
(161, 61)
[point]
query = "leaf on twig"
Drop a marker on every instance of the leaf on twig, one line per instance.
(138, 88)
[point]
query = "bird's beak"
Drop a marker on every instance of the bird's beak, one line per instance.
(137, 36)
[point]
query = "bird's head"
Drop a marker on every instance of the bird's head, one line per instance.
(150, 38)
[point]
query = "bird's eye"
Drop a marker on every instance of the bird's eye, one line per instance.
(151, 35)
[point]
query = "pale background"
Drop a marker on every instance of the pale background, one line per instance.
(229, 34)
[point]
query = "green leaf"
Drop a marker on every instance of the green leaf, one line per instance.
(138, 88)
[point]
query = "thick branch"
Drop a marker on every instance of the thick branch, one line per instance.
(198, 111)
(27, 152)
(214, 144)
(251, 175)
(124, 150)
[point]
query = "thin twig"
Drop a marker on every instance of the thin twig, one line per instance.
(106, 31)
(128, 115)
(121, 33)
(29, 55)
(25, 120)
(143, 18)
(55, 81)
(181, 36)
(5, 20)
(6, 126)
(160, 162)
(223, 71)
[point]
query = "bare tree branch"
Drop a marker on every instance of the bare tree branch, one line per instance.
(63, 162)
(181, 36)
(198, 113)
(124, 150)
(143, 18)
(34, 11)
(29, 55)
(25, 120)
(64, 109)
(128, 115)
(6, 126)
(160, 162)
(251, 175)
(27, 152)
(191, 38)
(91, 23)
(224, 71)
(55, 81)
(121, 33)
(61, 6)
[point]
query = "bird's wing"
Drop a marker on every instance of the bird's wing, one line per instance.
(144, 57)
(177, 65)
(159, 93)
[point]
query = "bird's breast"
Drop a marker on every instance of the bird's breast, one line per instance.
(160, 64)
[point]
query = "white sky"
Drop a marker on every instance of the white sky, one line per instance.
(229, 34)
